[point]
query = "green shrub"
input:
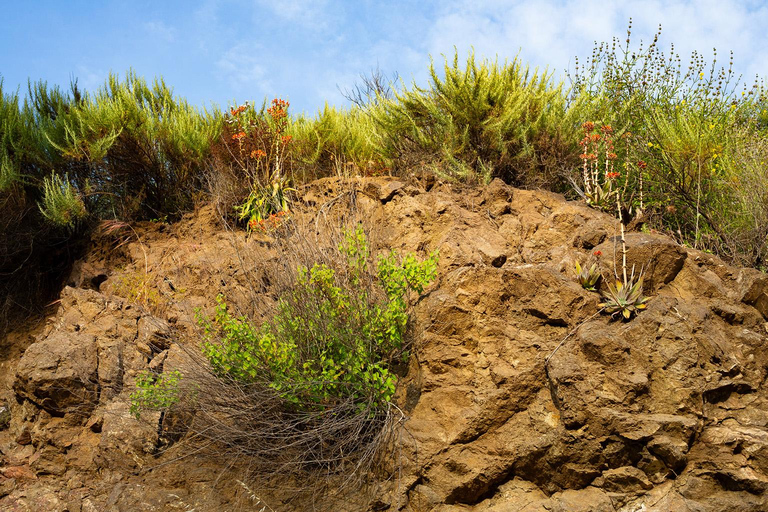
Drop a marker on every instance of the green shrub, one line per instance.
(139, 148)
(331, 340)
(337, 142)
(61, 204)
(693, 142)
(479, 121)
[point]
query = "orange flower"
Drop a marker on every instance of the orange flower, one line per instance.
(286, 139)
(257, 153)
(642, 164)
(588, 126)
(598, 253)
(238, 136)
(236, 111)
(607, 129)
(611, 156)
(613, 175)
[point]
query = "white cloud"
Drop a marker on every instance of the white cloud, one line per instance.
(161, 30)
(551, 33)
(242, 68)
(309, 14)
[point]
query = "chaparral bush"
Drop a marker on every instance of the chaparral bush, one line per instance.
(478, 121)
(313, 383)
(693, 136)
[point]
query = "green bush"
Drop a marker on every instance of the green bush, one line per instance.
(695, 133)
(331, 340)
(480, 121)
(140, 150)
(61, 204)
(337, 142)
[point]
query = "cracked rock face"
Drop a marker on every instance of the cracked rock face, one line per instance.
(671, 401)
(519, 396)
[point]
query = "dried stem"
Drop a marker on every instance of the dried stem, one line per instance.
(623, 240)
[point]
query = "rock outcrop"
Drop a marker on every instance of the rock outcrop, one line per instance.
(520, 396)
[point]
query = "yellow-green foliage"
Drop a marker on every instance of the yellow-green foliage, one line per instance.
(22, 145)
(137, 140)
(134, 151)
(697, 138)
(333, 337)
(475, 121)
(61, 203)
(337, 141)
(155, 392)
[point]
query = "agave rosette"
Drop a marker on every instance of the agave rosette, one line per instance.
(588, 277)
(624, 298)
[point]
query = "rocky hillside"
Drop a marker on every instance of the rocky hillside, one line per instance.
(520, 396)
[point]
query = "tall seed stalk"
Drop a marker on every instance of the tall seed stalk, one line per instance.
(623, 240)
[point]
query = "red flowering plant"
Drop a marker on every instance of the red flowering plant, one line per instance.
(603, 180)
(606, 188)
(268, 225)
(598, 162)
(261, 147)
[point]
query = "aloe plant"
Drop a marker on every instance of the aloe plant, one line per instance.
(599, 195)
(625, 298)
(588, 277)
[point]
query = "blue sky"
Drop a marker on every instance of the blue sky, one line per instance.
(224, 50)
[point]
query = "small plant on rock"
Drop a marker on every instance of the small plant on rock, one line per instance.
(588, 277)
(261, 147)
(625, 298)
(626, 295)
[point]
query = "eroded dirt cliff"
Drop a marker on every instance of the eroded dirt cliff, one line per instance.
(519, 396)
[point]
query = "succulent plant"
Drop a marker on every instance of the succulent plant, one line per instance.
(600, 195)
(588, 277)
(625, 298)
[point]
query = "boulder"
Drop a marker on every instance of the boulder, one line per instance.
(658, 257)
(60, 373)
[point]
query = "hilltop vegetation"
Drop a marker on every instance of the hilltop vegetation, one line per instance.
(687, 147)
